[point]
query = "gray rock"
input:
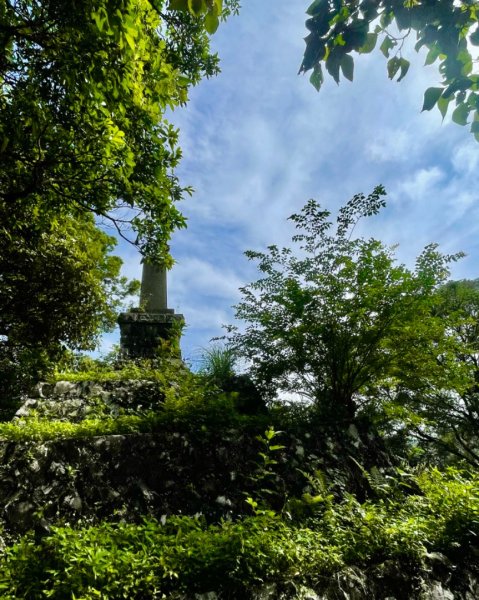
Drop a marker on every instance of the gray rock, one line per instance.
(64, 387)
(74, 502)
(26, 408)
(435, 591)
(34, 466)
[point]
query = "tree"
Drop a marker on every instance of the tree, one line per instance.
(59, 287)
(84, 88)
(446, 28)
(340, 315)
(447, 418)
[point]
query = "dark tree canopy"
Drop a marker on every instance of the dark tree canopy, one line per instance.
(448, 29)
(59, 288)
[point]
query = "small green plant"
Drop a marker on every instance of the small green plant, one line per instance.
(264, 477)
(151, 560)
(218, 363)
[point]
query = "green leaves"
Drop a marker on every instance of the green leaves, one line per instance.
(212, 22)
(369, 44)
(197, 7)
(333, 63)
(181, 5)
(431, 96)
(387, 45)
(347, 66)
(93, 136)
(446, 31)
(317, 7)
(461, 114)
(443, 104)
(211, 9)
(396, 65)
(317, 77)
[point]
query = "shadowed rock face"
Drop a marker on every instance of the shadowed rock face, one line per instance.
(127, 475)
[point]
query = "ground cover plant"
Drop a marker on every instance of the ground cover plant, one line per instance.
(412, 516)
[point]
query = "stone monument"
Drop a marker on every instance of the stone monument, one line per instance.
(142, 329)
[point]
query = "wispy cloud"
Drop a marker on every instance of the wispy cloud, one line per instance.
(258, 141)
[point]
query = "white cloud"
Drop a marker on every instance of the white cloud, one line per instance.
(258, 141)
(391, 145)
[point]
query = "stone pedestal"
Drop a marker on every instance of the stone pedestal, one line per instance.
(141, 332)
(143, 329)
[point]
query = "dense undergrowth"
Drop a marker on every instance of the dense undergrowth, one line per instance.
(323, 535)
(412, 517)
(180, 399)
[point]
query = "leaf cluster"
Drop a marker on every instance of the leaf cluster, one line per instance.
(82, 102)
(447, 29)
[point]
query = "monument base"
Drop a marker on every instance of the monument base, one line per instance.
(141, 333)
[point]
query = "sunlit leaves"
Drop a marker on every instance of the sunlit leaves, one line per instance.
(338, 313)
(211, 9)
(82, 117)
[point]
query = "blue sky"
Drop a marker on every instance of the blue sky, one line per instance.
(259, 141)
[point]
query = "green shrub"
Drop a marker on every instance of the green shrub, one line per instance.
(151, 560)
(44, 429)
(429, 512)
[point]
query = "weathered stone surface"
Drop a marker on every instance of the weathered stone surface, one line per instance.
(157, 474)
(141, 333)
(85, 399)
(436, 591)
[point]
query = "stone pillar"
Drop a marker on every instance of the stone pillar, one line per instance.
(154, 293)
(142, 330)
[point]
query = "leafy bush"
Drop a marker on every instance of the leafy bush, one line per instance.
(149, 560)
(410, 516)
(188, 402)
(413, 516)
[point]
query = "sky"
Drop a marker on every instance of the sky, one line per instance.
(258, 141)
